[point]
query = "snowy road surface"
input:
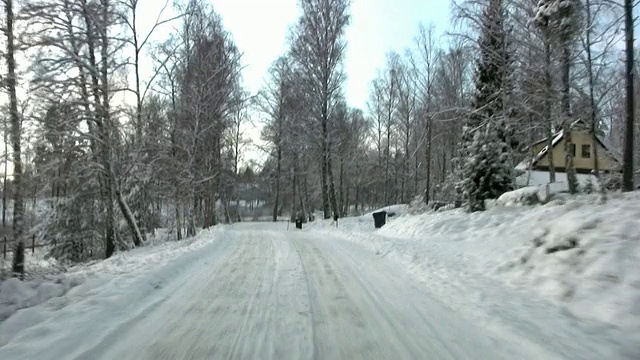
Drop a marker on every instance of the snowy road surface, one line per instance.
(259, 292)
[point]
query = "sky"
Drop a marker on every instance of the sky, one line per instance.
(260, 29)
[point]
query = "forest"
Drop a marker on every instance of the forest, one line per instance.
(98, 156)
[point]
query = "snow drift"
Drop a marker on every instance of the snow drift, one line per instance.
(580, 253)
(583, 254)
(48, 281)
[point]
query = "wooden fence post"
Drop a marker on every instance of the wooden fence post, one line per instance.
(4, 248)
(33, 244)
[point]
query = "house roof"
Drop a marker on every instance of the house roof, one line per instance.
(557, 137)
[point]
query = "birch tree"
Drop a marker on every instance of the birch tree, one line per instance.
(319, 48)
(16, 134)
(627, 176)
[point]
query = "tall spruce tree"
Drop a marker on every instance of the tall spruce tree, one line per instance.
(484, 160)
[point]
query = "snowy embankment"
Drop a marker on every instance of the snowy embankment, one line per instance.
(579, 254)
(53, 287)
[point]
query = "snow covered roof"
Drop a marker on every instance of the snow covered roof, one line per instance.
(526, 163)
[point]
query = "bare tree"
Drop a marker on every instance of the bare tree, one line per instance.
(627, 176)
(424, 67)
(274, 100)
(319, 47)
(16, 133)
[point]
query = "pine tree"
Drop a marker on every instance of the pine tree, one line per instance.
(487, 170)
(484, 161)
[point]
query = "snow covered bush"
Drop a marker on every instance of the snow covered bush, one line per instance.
(486, 171)
(588, 187)
(16, 294)
(612, 181)
(69, 233)
(417, 206)
(521, 197)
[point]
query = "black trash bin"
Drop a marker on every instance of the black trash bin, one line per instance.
(298, 223)
(379, 219)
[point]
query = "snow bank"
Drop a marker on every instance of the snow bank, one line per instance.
(525, 196)
(541, 178)
(16, 294)
(49, 281)
(142, 258)
(397, 209)
(358, 223)
(586, 258)
(580, 254)
(114, 293)
(37, 265)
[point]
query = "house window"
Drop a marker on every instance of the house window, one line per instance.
(586, 151)
(573, 150)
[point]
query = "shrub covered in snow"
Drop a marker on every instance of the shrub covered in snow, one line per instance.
(16, 294)
(525, 196)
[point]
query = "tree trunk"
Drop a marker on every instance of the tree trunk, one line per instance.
(305, 190)
(592, 103)
(347, 205)
(178, 222)
(386, 191)
(572, 180)
(547, 109)
(405, 167)
(341, 200)
(128, 215)
(388, 154)
(213, 205)
(427, 191)
(16, 132)
(416, 170)
(293, 194)
(276, 202)
(303, 206)
(627, 167)
(191, 228)
(4, 181)
(101, 116)
(225, 207)
(357, 196)
(324, 187)
(106, 125)
(332, 189)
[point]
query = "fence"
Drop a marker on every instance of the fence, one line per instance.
(6, 248)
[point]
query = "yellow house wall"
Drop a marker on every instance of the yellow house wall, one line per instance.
(605, 162)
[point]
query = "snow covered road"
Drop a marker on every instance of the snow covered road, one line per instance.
(257, 291)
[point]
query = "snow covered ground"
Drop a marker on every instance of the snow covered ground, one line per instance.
(541, 178)
(578, 259)
(51, 289)
(45, 278)
(503, 284)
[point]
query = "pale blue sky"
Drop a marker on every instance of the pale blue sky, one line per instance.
(260, 30)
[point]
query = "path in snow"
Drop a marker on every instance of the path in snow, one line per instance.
(258, 293)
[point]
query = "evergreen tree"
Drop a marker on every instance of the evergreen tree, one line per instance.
(484, 161)
(486, 170)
